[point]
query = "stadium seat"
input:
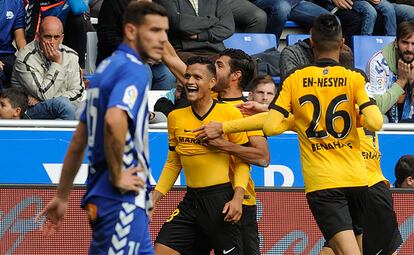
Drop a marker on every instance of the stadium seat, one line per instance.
(293, 38)
(91, 52)
(366, 46)
(251, 43)
(291, 24)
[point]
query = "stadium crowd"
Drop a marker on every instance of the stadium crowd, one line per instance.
(44, 80)
(54, 80)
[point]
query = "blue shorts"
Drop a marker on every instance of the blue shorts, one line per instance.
(118, 228)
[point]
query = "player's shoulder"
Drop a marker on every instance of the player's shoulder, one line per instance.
(181, 112)
(226, 106)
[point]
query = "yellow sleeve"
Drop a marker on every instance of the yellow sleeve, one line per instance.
(239, 137)
(241, 173)
(273, 121)
(170, 172)
(254, 122)
(372, 118)
(172, 142)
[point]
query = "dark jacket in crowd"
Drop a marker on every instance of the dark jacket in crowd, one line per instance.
(109, 30)
(212, 25)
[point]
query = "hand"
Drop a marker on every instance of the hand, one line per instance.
(210, 131)
(54, 212)
(233, 210)
(156, 197)
(343, 4)
(1, 65)
(375, 1)
(32, 101)
(129, 181)
(51, 53)
(216, 143)
(252, 108)
(405, 73)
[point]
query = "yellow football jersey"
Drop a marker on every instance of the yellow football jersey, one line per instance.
(202, 166)
(322, 98)
(250, 196)
(372, 155)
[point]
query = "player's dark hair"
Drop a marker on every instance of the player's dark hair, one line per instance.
(326, 32)
(136, 11)
(203, 61)
(261, 79)
(403, 169)
(17, 98)
(405, 29)
(241, 61)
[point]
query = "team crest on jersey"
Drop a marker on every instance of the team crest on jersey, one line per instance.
(130, 95)
(370, 89)
(381, 82)
(325, 71)
(9, 15)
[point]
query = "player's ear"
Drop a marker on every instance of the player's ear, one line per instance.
(342, 43)
(212, 82)
(250, 96)
(130, 31)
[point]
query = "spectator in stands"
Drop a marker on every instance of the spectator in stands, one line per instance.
(262, 89)
(110, 34)
(404, 172)
(175, 99)
(279, 11)
(70, 12)
(198, 27)
(12, 25)
(369, 10)
(391, 72)
(13, 103)
(50, 74)
(248, 18)
(301, 54)
(351, 20)
(262, 92)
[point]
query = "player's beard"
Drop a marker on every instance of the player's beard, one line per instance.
(222, 84)
(402, 54)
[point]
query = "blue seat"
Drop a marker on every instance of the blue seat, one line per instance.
(251, 43)
(366, 46)
(293, 38)
(291, 24)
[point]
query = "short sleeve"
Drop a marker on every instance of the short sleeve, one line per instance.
(171, 122)
(283, 103)
(129, 92)
(20, 16)
(361, 96)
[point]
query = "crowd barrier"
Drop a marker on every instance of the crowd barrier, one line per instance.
(286, 225)
(32, 152)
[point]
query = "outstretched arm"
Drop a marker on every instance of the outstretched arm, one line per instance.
(56, 209)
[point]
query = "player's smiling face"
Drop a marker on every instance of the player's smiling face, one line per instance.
(198, 82)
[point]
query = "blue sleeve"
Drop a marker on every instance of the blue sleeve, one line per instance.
(20, 16)
(129, 91)
(78, 6)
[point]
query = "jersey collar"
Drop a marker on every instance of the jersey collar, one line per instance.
(125, 48)
(242, 98)
(326, 62)
(207, 113)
